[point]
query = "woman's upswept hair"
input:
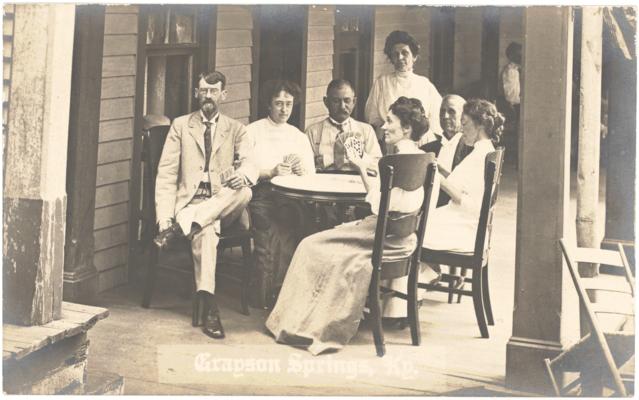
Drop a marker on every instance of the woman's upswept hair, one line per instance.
(410, 112)
(272, 88)
(485, 113)
(400, 37)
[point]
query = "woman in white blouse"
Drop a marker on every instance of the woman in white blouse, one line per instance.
(322, 299)
(279, 149)
(402, 50)
(454, 226)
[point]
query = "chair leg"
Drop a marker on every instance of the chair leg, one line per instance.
(452, 271)
(151, 271)
(413, 309)
(486, 296)
(376, 318)
(478, 302)
(246, 274)
(551, 376)
(195, 309)
(463, 275)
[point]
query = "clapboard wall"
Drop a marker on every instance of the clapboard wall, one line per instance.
(319, 61)
(117, 105)
(233, 57)
(413, 19)
(7, 47)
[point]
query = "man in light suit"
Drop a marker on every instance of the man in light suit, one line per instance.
(197, 188)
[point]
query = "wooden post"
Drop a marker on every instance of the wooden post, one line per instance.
(36, 155)
(541, 312)
(80, 274)
(589, 134)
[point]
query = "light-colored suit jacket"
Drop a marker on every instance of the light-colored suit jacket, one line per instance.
(182, 163)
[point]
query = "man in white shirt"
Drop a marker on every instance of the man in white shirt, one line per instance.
(197, 186)
(510, 74)
(510, 98)
(450, 151)
(327, 137)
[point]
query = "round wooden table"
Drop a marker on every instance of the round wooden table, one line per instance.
(324, 188)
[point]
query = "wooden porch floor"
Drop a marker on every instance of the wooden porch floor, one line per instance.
(156, 350)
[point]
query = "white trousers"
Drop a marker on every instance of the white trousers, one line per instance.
(227, 205)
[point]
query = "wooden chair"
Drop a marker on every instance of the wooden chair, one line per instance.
(156, 130)
(599, 350)
(477, 261)
(408, 172)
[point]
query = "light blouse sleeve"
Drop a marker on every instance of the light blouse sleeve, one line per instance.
(371, 111)
(254, 157)
(468, 177)
(307, 155)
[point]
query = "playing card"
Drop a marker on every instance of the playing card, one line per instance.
(226, 174)
(355, 144)
(291, 158)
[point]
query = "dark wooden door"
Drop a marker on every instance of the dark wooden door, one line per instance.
(281, 44)
(443, 33)
(353, 57)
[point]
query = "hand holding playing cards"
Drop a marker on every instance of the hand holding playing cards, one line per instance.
(296, 164)
(354, 157)
(281, 169)
(236, 181)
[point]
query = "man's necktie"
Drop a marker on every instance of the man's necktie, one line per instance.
(207, 145)
(339, 151)
(204, 190)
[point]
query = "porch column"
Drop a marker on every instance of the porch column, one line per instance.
(539, 316)
(80, 274)
(589, 134)
(34, 192)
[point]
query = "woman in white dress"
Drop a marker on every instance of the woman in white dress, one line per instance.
(325, 289)
(279, 149)
(454, 226)
(402, 50)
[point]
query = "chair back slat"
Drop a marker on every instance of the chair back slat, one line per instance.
(492, 177)
(408, 172)
(402, 224)
(395, 269)
(597, 256)
(616, 308)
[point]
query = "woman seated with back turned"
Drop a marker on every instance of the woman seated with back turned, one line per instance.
(325, 289)
(454, 226)
(280, 149)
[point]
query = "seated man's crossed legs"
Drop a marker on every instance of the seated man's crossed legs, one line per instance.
(200, 222)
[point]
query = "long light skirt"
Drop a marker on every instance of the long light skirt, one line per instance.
(324, 292)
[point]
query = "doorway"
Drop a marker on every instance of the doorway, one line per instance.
(281, 31)
(352, 46)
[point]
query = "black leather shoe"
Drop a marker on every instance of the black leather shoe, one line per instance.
(168, 236)
(212, 325)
